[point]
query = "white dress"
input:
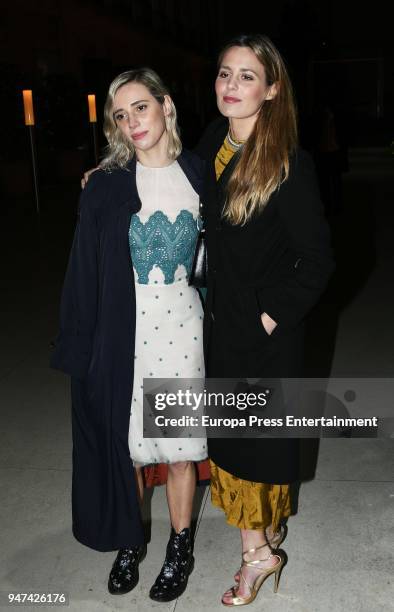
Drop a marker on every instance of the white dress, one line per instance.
(169, 314)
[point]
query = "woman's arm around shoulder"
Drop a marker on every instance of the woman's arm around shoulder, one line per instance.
(96, 189)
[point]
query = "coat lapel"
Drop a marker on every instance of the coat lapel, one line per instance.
(222, 182)
(129, 185)
(218, 187)
(192, 167)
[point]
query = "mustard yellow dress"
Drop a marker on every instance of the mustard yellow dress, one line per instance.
(246, 504)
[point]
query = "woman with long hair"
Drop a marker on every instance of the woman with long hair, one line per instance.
(127, 313)
(269, 261)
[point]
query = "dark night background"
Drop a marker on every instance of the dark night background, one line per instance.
(337, 51)
(340, 56)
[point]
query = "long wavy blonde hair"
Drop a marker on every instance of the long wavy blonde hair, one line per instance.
(120, 150)
(264, 160)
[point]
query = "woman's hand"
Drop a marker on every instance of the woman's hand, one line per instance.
(268, 323)
(86, 176)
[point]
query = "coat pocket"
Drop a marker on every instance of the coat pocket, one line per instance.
(252, 316)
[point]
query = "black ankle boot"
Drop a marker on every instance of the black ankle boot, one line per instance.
(124, 574)
(178, 565)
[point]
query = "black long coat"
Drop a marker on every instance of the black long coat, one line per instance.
(95, 347)
(278, 263)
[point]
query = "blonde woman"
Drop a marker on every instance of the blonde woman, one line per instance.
(127, 313)
(269, 261)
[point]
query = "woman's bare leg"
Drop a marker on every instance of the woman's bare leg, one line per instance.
(140, 483)
(252, 538)
(181, 486)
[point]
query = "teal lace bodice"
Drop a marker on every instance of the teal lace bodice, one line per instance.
(163, 243)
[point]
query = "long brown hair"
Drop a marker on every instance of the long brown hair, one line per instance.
(264, 160)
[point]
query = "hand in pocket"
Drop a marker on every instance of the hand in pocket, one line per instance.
(268, 323)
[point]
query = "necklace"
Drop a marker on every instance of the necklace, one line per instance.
(234, 143)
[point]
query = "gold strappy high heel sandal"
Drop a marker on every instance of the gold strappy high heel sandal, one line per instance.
(277, 537)
(238, 600)
(273, 543)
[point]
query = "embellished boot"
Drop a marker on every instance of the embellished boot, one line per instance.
(124, 574)
(177, 566)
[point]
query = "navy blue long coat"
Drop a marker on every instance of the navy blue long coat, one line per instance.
(279, 263)
(95, 346)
